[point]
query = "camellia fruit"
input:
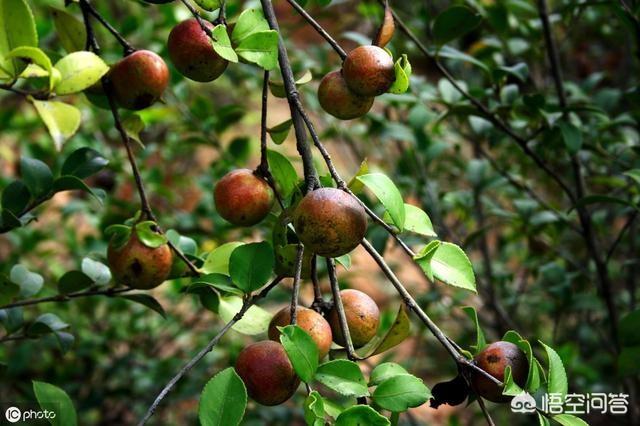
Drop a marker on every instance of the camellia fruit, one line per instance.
(363, 317)
(330, 222)
(266, 371)
(310, 321)
(494, 359)
(368, 71)
(192, 53)
(137, 265)
(243, 198)
(139, 79)
(338, 100)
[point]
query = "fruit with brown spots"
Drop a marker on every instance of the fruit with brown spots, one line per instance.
(310, 321)
(494, 359)
(192, 54)
(330, 222)
(363, 317)
(267, 372)
(243, 198)
(137, 265)
(368, 71)
(139, 79)
(338, 100)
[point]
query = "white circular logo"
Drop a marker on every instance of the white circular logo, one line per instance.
(13, 414)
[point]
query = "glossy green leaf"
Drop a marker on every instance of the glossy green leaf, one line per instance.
(260, 48)
(449, 264)
(249, 22)
(62, 120)
(148, 234)
(251, 265)
(223, 400)
(83, 163)
(361, 415)
(399, 393)
(301, 350)
(403, 70)
(146, 300)
(222, 43)
(255, 321)
(17, 28)
(73, 281)
(70, 30)
(388, 194)
(52, 398)
(480, 339)
(557, 379)
(314, 409)
(79, 71)
(217, 262)
(36, 175)
(454, 22)
(343, 376)
(97, 271)
(29, 282)
(385, 371)
(15, 197)
(569, 420)
(283, 172)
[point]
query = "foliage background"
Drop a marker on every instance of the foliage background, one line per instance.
(533, 270)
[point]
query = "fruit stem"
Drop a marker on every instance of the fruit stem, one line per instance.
(128, 48)
(198, 18)
(295, 294)
(339, 307)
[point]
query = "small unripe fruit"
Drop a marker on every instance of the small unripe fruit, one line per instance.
(363, 317)
(368, 71)
(243, 198)
(308, 320)
(267, 372)
(338, 100)
(494, 359)
(330, 222)
(139, 266)
(192, 54)
(139, 79)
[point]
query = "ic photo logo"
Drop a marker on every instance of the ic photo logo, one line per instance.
(13, 414)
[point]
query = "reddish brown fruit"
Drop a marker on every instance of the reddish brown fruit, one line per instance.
(368, 71)
(243, 198)
(139, 266)
(336, 98)
(494, 359)
(330, 222)
(308, 320)
(192, 54)
(363, 317)
(139, 79)
(267, 373)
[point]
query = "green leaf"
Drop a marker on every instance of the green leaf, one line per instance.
(29, 282)
(448, 263)
(571, 135)
(70, 30)
(399, 393)
(388, 194)
(628, 365)
(301, 350)
(314, 409)
(35, 56)
(343, 376)
(451, 53)
(629, 330)
(209, 5)
(255, 321)
(385, 371)
(397, 333)
(454, 22)
(73, 281)
(557, 381)
(277, 86)
(480, 340)
(52, 398)
(416, 221)
(17, 28)
(249, 22)
(146, 300)
(97, 271)
(36, 175)
(251, 265)
(223, 400)
(15, 197)
(70, 183)
(217, 262)
(569, 420)
(222, 44)
(8, 290)
(220, 282)
(280, 131)
(511, 388)
(62, 120)
(83, 163)
(283, 172)
(79, 71)
(260, 48)
(45, 324)
(403, 70)
(361, 415)
(148, 234)
(533, 376)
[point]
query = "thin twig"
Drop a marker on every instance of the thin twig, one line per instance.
(248, 302)
(128, 48)
(485, 411)
(66, 297)
(339, 307)
(332, 42)
(295, 293)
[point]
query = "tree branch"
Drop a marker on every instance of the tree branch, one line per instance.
(66, 297)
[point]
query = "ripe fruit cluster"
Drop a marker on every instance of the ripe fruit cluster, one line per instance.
(265, 367)
(367, 71)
